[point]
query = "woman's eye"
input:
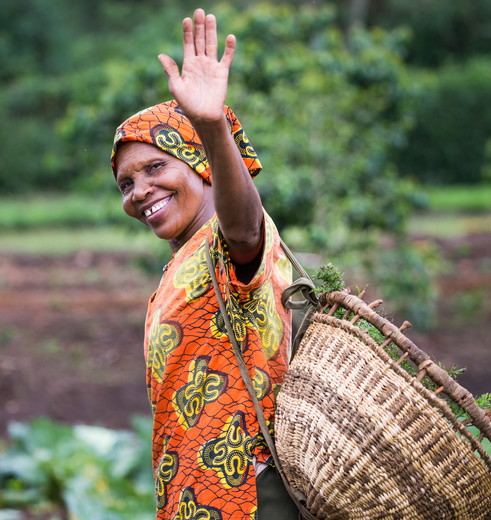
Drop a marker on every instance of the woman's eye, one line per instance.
(155, 167)
(124, 187)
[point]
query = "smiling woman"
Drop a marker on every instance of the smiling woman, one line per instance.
(162, 192)
(185, 169)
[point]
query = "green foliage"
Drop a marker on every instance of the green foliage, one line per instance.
(484, 401)
(486, 444)
(51, 210)
(331, 279)
(440, 30)
(53, 56)
(142, 247)
(450, 141)
(460, 198)
(405, 274)
(325, 110)
(92, 123)
(449, 224)
(93, 472)
(324, 115)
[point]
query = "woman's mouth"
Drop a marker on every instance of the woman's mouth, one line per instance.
(156, 207)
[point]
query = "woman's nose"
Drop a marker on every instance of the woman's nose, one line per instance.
(141, 189)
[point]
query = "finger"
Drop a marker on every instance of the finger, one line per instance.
(199, 32)
(170, 67)
(172, 71)
(228, 53)
(188, 37)
(211, 36)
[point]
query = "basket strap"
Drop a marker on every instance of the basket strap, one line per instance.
(306, 286)
(296, 496)
(303, 284)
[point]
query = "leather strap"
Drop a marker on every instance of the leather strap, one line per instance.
(296, 496)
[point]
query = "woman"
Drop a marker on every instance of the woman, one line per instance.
(185, 170)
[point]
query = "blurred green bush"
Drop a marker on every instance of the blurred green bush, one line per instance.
(441, 31)
(451, 140)
(91, 472)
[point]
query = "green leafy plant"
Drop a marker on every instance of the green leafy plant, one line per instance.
(92, 473)
(331, 279)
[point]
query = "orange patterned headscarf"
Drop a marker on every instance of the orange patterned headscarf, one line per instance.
(165, 126)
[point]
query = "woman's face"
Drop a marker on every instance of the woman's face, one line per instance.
(163, 192)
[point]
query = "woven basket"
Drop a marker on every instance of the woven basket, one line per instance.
(360, 438)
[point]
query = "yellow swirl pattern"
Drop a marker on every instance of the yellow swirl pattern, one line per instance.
(259, 440)
(217, 325)
(189, 509)
(230, 454)
(171, 141)
(276, 389)
(166, 471)
(163, 339)
(118, 135)
(191, 155)
(262, 312)
(238, 321)
(193, 276)
(203, 387)
(168, 138)
(258, 311)
(260, 383)
(243, 144)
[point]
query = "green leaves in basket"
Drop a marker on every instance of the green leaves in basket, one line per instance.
(331, 279)
(485, 443)
(484, 401)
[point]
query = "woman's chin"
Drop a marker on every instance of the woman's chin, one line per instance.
(160, 234)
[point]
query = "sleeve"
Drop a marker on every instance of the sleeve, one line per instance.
(226, 270)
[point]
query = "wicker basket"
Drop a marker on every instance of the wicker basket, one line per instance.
(360, 438)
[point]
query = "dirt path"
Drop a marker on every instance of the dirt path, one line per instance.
(70, 338)
(71, 332)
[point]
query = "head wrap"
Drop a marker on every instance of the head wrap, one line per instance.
(167, 128)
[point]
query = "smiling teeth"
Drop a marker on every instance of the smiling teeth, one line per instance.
(156, 207)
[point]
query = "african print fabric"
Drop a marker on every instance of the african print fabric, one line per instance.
(165, 126)
(205, 427)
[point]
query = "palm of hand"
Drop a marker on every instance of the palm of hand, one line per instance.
(201, 88)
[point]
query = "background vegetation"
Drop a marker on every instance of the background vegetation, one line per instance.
(362, 112)
(338, 100)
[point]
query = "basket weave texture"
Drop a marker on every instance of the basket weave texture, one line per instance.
(362, 439)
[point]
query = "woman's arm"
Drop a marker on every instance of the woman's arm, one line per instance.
(201, 90)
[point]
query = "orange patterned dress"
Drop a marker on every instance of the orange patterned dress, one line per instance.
(205, 432)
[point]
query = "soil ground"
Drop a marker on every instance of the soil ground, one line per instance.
(71, 332)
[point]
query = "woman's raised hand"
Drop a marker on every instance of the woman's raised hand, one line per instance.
(201, 88)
